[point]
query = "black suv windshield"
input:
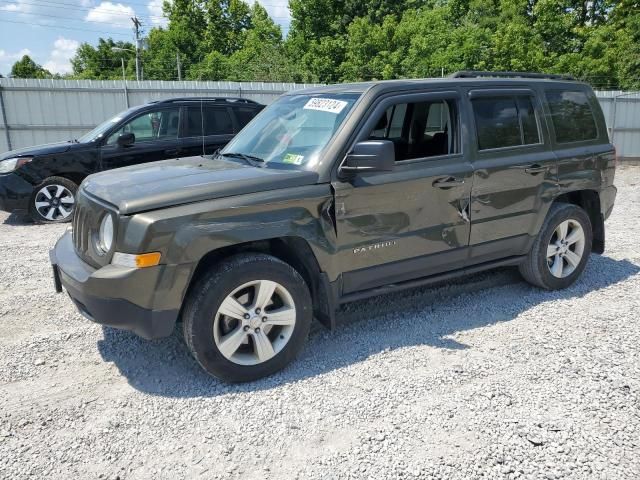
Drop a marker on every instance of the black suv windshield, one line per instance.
(98, 132)
(294, 129)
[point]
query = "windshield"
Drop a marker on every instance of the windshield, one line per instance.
(293, 130)
(103, 128)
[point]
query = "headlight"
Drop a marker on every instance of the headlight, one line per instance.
(10, 164)
(105, 234)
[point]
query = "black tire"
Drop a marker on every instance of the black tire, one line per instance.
(37, 215)
(535, 269)
(210, 291)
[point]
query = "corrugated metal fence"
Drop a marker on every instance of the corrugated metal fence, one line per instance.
(40, 111)
(622, 112)
(43, 111)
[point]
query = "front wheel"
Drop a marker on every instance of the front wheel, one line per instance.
(53, 201)
(561, 250)
(247, 318)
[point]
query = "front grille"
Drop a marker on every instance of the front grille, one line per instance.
(86, 222)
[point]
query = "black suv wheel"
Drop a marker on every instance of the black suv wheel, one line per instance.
(561, 250)
(53, 201)
(247, 318)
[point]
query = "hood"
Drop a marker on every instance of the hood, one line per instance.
(184, 180)
(46, 149)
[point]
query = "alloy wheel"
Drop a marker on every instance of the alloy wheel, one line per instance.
(254, 322)
(565, 249)
(54, 202)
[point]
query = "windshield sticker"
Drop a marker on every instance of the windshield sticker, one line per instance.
(326, 105)
(293, 159)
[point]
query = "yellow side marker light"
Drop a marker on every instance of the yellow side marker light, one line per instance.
(141, 260)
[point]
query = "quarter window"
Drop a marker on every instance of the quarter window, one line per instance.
(419, 130)
(572, 116)
(150, 126)
(505, 122)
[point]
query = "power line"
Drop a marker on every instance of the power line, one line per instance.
(72, 19)
(64, 6)
(64, 27)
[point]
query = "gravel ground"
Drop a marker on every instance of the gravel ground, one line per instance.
(482, 378)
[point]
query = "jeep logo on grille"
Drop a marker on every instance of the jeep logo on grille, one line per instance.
(375, 246)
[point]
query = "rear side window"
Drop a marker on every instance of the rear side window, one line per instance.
(505, 122)
(244, 115)
(572, 116)
(216, 121)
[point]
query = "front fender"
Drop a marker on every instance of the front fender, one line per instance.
(185, 234)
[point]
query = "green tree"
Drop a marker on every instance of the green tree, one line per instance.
(262, 56)
(27, 68)
(104, 62)
(227, 24)
(215, 66)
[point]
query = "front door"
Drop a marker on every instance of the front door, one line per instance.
(156, 138)
(413, 221)
(515, 172)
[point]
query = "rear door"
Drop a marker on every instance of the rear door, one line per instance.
(515, 171)
(156, 138)
(410, 222)
(206, 128)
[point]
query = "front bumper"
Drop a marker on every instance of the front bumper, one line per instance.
(118, 297)
(15, 192)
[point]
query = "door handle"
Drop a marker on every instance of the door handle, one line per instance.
(535, 169)
(448, 182)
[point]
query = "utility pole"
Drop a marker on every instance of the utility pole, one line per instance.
(179, 66)
(136, 26)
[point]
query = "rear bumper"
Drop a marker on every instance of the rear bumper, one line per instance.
(15, 192)
(114, 296)
(607, 200)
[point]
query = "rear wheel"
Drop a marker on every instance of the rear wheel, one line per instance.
(53, 201)
(247, 318)
(561, 250)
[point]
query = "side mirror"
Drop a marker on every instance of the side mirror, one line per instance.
(126, 139)
(370, 156)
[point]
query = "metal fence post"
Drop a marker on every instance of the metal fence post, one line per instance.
(126, 95)
(4, 120)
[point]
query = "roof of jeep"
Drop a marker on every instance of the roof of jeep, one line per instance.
(391, 85)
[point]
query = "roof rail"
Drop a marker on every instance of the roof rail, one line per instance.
(482, 74)
(208, 99)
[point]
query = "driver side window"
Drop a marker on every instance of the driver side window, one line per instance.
(156, 125)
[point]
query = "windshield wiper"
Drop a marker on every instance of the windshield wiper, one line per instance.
(250, 159)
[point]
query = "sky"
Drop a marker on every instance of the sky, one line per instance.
(50, 31)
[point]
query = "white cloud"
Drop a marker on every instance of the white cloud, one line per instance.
(63, 50)
(115, 14)
(17, 6)
(155, 13)
(8, 57)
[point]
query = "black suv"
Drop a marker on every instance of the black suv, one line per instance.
(337, 193)
(43, 180)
